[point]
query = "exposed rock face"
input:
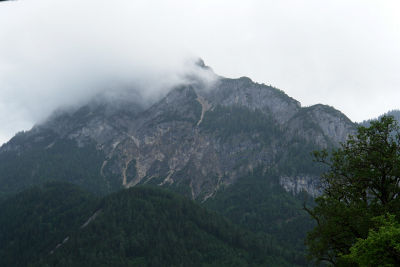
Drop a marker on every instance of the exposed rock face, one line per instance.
(297, 184)
(197, 139)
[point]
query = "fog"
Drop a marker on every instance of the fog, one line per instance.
(62, 53)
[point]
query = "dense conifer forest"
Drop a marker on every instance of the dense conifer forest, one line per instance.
(58, 224)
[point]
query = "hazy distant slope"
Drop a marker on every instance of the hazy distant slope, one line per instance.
(395, 113)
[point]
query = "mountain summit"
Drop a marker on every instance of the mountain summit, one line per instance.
(199, 138)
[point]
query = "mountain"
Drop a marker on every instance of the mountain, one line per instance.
(234, 146)
(58, 224)
(195, 140)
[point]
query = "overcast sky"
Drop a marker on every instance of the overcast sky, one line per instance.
(344, 53)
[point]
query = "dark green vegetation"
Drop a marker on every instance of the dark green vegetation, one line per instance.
(361, 186)
(33, 222)
(257, 202)
(137, 227)
(381, 247)
(35, 162)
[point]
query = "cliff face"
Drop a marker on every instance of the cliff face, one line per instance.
(195, 140)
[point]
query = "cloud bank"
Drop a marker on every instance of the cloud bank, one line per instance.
(62, 53)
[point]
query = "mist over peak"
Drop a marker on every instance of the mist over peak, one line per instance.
(62, 54)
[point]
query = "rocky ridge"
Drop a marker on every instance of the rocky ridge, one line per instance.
(198, 138)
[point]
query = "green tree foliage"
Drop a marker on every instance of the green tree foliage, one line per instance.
(33, 222)
(145, 226)
(381, 247)
(141, 226)
(362, 183)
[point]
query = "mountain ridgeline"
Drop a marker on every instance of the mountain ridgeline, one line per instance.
(195, 140)
(237, 147)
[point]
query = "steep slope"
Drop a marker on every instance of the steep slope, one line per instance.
(194, 140)
(59, 225)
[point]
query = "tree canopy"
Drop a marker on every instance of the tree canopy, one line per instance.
(381, 247)
(362, 183)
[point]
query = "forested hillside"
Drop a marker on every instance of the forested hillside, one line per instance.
(33, 222)
(258, 203)
(60, 225)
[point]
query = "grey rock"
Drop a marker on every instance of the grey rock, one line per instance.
(169, 144)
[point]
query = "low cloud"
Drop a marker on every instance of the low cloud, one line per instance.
(62, 53)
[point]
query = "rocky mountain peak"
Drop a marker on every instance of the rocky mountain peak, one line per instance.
(195, 140)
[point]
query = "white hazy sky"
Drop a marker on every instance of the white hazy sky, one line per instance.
(344, 53)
